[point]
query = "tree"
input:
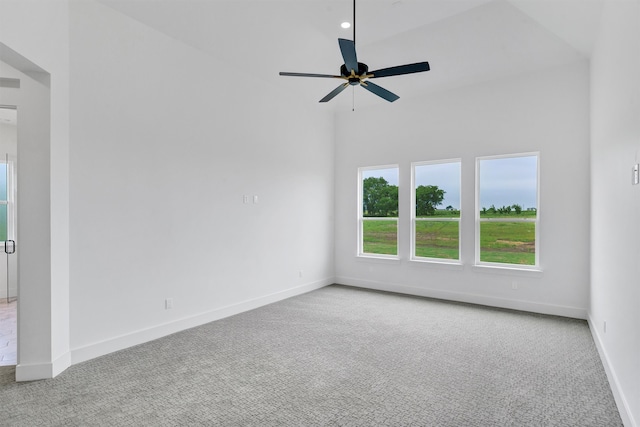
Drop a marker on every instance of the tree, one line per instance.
(427, 198)
(379, 198)
(517, 208)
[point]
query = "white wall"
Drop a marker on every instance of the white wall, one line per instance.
(38, 32)
(546, 112)
(36, 316)
(615, 207)
(165, 142)
(36, 35)
(8, 138)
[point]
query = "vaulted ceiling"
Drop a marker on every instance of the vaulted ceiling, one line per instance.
(465, 41)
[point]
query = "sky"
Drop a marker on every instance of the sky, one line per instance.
(509, 181)
(446, 176)
(390, 174)
(503, 181)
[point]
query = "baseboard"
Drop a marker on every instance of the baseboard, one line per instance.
(61, 364)
(556, 310)
(101, 348)
(34, 371)
(618, 395)
(43, 371)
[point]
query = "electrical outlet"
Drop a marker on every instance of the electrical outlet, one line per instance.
(604, 326)
(245, 199)
(636, 174)
(168, 304)
(514, 284)
(255, 200)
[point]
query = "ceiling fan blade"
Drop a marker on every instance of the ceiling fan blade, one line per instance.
(282, 73)
(348, 50)
(380, 91)
(334, 92)
(418, 67)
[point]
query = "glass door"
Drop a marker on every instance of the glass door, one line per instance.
(8, 253)
(8, 262)
(7, 225)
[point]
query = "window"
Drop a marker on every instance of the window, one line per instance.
(507, 210)
(378, 211)
(436, 210)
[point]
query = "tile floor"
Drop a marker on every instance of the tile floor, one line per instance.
(8, 332)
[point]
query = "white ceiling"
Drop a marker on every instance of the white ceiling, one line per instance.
(465, 41)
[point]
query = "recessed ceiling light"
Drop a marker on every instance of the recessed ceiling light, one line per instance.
(346, 25)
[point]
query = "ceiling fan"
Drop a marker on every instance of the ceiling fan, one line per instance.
(357, 73)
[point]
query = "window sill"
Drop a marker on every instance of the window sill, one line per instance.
(508, 270)
(378, 259)
(449, 265)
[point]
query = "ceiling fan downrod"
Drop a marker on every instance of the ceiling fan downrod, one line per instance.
(354, 22)
(356, 73)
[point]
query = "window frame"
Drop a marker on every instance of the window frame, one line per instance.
(536, 221)
(361, 218)
(413, 217)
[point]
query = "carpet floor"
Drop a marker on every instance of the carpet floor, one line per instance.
(337, 356)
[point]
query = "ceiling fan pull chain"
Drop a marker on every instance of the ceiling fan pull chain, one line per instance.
(353, 98)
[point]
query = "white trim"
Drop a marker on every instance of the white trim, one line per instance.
(361, 218)
(61, 364)
(509, 269)
(34, 371)
(453, 264)
(478, 220)
(413, 218)
(378, 258)
(43, 371)
(121, 342)
(618, 395)
(533, 307)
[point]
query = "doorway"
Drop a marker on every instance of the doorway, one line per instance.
(8, 256)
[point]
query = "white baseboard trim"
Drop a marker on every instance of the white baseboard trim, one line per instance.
(534, 307)
(618, 395)
(61, 364)
(101, 348)
(34, 371)
(42, 371)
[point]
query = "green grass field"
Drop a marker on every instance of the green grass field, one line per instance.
(380, 237)
(522, 215)
(508, 242)
(437, 239)
(511, 242)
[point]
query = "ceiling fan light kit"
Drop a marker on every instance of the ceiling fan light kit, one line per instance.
(357, 73)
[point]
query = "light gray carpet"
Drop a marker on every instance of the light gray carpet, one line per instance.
(337, 357)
